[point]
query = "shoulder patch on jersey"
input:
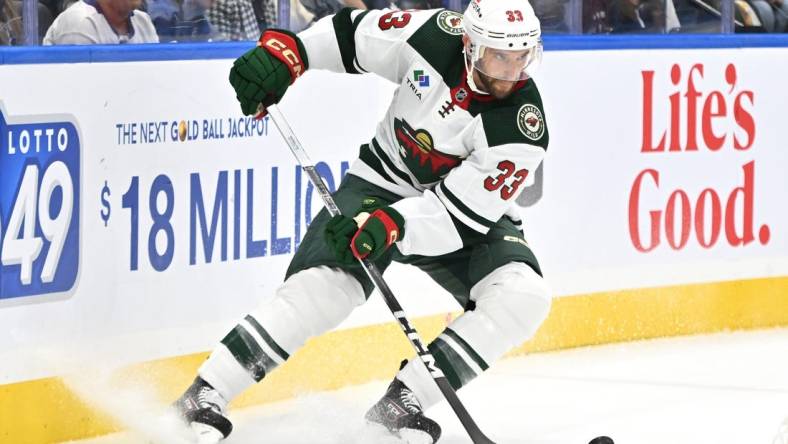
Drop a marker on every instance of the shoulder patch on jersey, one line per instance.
(450, 22)
(530, 121)
(437, 47)
(524, 122)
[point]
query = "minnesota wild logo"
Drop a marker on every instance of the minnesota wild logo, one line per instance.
(530, 121)
(450, 22)
(417, 149)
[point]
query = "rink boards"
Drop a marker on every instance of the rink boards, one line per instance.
(158, 216)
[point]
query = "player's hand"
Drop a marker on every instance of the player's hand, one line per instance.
(364, 236)
(263, 74)
(338, 233)
(376, 233)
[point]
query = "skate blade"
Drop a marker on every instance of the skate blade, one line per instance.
(206, 434)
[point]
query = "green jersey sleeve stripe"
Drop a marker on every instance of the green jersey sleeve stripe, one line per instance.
(345, 31)
(358, 20)
(464, 208)
(368, 157)
(467, 234)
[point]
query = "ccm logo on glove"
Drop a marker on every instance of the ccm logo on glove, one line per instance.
(284, 48)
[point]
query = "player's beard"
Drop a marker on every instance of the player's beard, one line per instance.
(500, 89)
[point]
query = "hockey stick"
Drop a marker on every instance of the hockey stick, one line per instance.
(374, 274)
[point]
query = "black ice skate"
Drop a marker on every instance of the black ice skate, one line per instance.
(203, 409)
(400, 412)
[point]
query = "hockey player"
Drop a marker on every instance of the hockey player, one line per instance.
(434, 188)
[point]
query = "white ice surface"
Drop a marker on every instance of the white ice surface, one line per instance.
(729, 388)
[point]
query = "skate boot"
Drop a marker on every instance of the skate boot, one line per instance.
(203, 409)
(400, 412)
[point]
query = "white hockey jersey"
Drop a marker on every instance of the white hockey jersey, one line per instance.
(459, 158)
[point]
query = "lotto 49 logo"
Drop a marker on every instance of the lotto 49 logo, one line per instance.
(39, 205)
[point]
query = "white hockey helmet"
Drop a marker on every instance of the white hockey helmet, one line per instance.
(505, 38)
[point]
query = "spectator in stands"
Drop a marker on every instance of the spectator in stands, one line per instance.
(697, 16)
(11, 24)
(629, 16)
(322, 8)
(745, 13)
(780, 15)
(165, 15)
(414, 4)
(763, 9)
(552, 15)
(745, 18)
(53, 6)
(595, 18)
(234, 20)
(773, 14)
(102, 21)
(177, 21)
(265, 12)
(11, 32)
(644, 16)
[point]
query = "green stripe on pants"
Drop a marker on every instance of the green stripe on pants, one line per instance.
(453, 366)
(267, 338)
(248, 353)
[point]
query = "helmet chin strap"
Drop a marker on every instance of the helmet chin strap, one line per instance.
(469, 75)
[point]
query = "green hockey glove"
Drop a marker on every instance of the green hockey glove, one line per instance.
(263, 74)
(378, 231)
(338, 233)
(341, 229)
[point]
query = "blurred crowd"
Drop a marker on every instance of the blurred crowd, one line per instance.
(146, 21)
(670, 16)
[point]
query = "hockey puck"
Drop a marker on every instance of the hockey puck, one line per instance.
(601, 440)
